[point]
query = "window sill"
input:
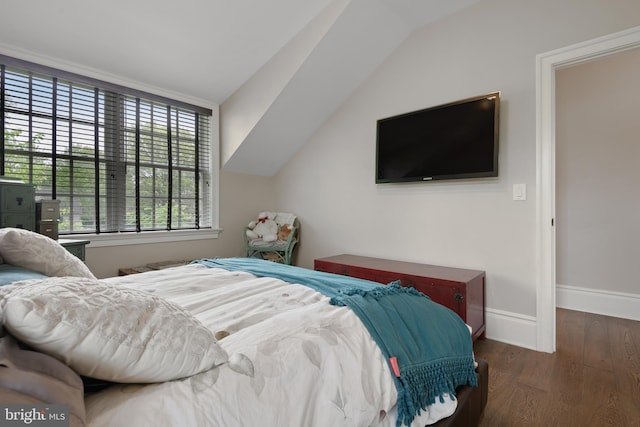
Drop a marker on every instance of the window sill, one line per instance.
(126, 239)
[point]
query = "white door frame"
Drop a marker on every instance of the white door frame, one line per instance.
(546, 65)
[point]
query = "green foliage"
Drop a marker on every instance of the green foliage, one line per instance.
(76, 181)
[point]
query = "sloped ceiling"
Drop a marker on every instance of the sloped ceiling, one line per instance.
(278, 68)
(276, 111)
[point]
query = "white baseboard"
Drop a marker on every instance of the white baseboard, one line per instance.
(608, 303)
(521, 330)
(511, 328)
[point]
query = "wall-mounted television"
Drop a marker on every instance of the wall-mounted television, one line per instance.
(450, 141)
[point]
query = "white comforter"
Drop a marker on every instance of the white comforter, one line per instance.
(295, 360)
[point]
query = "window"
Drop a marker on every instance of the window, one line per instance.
(117, 159)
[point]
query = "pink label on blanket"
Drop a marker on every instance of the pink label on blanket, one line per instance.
(394, 366)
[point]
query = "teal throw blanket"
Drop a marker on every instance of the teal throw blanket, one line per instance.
(427, 346)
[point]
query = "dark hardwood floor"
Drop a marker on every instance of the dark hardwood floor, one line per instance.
(593, 378)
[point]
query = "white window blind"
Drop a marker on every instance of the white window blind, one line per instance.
(117, 159)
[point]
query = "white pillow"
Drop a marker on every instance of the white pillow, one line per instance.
(109, 332)
(39, 253)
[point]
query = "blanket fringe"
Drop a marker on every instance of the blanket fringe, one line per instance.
(423, 384)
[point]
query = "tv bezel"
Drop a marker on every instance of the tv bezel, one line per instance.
(467, 175)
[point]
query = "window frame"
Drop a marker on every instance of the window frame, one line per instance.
(93, 77)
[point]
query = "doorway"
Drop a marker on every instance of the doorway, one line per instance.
(546, 65)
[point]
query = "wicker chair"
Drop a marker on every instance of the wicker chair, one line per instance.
(280, 250)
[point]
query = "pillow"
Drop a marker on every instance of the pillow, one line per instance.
(32, 378)
(12, 273)
(39, 253)
(110, 332)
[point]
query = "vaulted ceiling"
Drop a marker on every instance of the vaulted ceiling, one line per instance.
(278, 68)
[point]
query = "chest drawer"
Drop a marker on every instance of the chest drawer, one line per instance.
(75, 247)
(17, 198)
(77, 250)
(48, 210)
(17, 205)
(18, 220)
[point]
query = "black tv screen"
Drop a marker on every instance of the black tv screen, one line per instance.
(450, 141)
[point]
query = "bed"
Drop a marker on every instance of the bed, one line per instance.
(224, 343)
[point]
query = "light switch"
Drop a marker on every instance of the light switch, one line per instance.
(519, 191)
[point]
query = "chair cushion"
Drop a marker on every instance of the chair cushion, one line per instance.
(277, 245)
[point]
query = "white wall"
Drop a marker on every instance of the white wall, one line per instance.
(597, 176)
(473, 224)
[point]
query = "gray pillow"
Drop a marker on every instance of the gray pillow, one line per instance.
(32, 378)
